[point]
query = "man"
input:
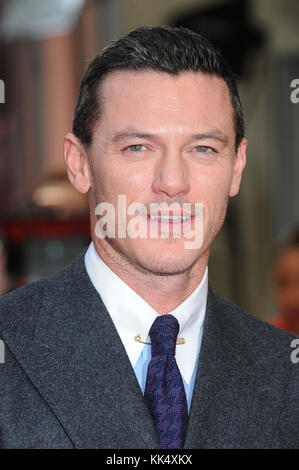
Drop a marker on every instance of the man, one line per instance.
(158, 121)
(285, 280)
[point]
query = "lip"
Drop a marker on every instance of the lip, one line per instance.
(169, 218)
(170, 213)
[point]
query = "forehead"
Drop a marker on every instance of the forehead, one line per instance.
(150, 98)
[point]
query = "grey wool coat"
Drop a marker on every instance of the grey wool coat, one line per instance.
(67, 382)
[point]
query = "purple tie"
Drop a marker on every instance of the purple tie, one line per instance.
(164, 391)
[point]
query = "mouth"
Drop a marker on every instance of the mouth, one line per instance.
(170, 225)
(170, 218)
(170, 215)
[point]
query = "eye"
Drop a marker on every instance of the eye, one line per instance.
(204, 149)
(136, 148)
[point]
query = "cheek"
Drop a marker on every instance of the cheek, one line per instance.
(108, 182)
(133, 181)
(212, 191)
(213, 187)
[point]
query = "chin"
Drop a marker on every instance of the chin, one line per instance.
(165, 264)
(167, 257)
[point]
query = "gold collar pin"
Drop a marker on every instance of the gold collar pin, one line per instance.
(180, 340)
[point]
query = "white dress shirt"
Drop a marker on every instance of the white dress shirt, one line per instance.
(132, 315)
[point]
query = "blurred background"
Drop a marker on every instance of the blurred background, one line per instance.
(45, 46)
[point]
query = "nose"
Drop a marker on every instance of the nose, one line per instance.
(171, 178)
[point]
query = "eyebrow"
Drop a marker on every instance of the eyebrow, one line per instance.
(122, 135)
(214, 134)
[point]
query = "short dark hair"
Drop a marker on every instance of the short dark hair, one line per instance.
(163, 49)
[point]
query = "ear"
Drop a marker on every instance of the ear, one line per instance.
(76, 161)
(238, 167)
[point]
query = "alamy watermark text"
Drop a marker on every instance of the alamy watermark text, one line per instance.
(294, 96)
(2, 352)
(2, 91)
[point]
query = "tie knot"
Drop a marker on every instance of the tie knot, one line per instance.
(163, 334)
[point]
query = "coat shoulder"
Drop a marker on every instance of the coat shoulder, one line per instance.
(252, 334)
(19, 309)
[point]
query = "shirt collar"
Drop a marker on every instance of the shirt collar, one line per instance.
(132, 315)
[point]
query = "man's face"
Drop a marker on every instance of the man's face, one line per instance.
(286, 283)
(167, 139)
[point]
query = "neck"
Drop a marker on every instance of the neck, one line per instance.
(163, 292)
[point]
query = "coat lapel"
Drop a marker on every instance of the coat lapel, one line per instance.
(232, 405)
(76, 360)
